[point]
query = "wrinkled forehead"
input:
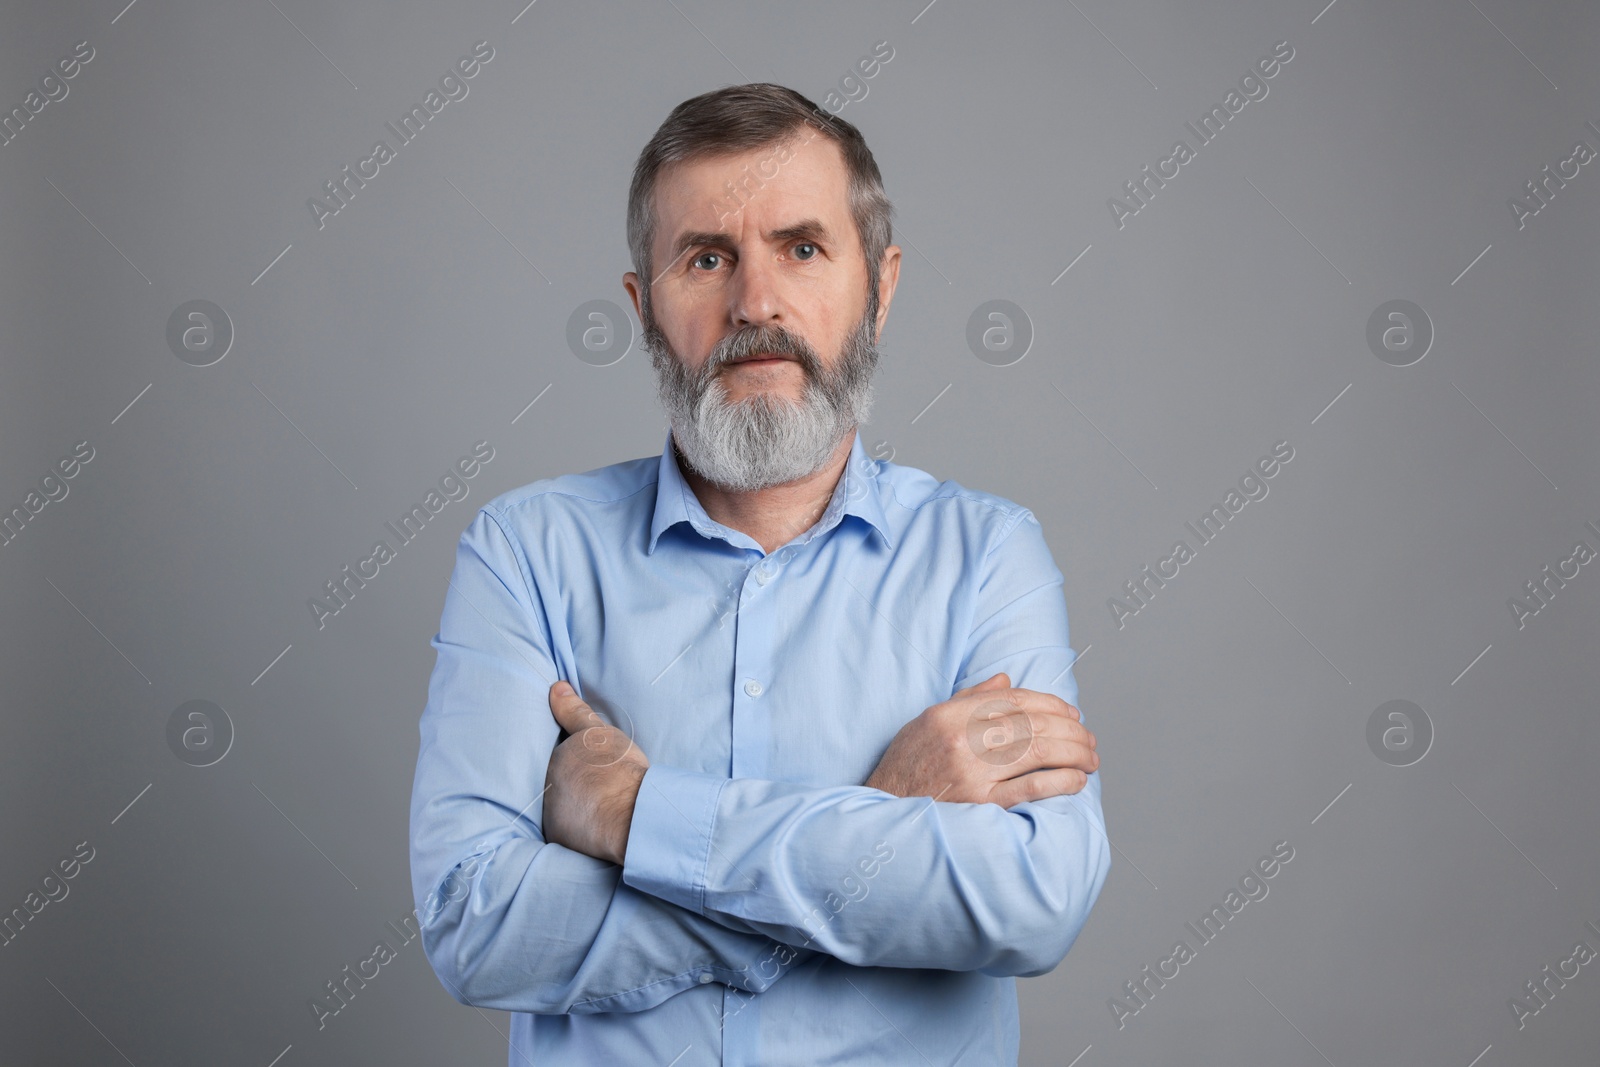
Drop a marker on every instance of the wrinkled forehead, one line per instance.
(753, 194)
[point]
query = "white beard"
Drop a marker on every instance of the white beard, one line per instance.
(763, 439)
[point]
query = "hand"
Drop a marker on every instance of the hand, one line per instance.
(990, 744)
(592, 782)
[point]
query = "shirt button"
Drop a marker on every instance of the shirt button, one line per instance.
(763, 576)
(705, 979)
(752, 688)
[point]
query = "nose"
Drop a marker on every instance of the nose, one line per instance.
(755, 296)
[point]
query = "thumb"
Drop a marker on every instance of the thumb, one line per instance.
(998, 681)
(569, 709)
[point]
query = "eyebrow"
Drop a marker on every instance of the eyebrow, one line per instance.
(805, 229)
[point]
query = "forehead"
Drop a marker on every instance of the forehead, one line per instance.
(755, 191)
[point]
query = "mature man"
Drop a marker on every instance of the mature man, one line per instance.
(803, 815)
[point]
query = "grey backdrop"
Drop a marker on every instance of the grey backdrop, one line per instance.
(1229, 313)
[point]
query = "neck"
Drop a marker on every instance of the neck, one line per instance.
(778, 514)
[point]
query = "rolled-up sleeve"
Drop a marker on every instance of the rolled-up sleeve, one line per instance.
(964, 887)
(509, 920)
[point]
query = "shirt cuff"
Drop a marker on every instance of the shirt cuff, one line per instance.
(669, 837)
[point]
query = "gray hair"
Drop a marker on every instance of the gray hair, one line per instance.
(737, 118)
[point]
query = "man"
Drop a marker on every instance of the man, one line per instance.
(799, 808)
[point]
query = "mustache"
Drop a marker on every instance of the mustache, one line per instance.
(774, 339)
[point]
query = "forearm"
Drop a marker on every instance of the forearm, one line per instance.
(951, 886)
(536, 927)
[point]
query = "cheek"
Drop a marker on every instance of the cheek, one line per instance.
(840, 323)
(691, 328)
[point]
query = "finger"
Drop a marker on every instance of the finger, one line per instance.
(1046, 724)
(1040, 785)
(1012, 752)
(1053, 752)
(1003, 735)
(998, 731)
(1034, 700)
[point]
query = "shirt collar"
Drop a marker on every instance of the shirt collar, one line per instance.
(857, 493)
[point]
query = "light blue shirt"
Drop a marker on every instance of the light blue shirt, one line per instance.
(771, 910)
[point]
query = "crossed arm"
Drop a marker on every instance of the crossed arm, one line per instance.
(736, 879)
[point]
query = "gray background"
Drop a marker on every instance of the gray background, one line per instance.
(1228, 315)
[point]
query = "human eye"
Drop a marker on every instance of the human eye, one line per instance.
(799, 253)
(698, 260)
